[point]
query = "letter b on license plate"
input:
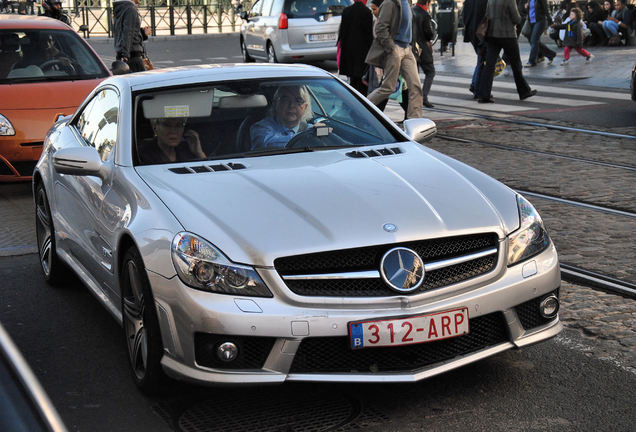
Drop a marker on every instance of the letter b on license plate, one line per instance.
(409, 330)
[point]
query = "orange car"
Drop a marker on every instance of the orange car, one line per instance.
(46, 70)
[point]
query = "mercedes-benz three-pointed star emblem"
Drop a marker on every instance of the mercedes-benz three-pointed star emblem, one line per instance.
(402, 269)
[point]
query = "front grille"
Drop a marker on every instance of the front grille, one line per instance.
(252, 351)
(368, 258)
(334, 354)
(528, 312)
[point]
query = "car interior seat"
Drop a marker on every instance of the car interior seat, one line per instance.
(258, 108)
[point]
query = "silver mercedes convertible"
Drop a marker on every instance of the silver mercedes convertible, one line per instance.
(266, 223)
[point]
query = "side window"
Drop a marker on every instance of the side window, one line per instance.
(267, 7)
(97, 124)
(256, 9)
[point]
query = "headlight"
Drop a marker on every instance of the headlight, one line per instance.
(531, 238)
(6, 128)
(202, 266)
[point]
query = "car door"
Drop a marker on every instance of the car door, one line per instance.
(263, 26)
(255, 44)
(80, 198)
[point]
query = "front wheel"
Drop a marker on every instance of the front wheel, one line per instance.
(271, 54)
(141, 326)
(54, 270)
(246, 56)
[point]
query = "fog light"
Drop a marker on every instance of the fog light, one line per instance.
(549, 307)
(227, 351)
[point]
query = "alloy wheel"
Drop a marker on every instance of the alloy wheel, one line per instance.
(44, 232)
(133, 315)
(271, 54)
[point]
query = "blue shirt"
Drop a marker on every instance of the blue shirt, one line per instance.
(531, 13)
(405, 33)
(268, 133)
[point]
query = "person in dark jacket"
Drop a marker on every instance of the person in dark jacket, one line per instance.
(594, 18)
(502, 18)
(355, 37)
(53, 9)
(573, 36)
(472, 14)
(128, 34)
(423, 34)
(538, 20)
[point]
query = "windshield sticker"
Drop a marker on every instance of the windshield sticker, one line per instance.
(176, 111)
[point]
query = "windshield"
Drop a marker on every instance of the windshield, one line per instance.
(46, 55)
(312, 8)
(251, 118)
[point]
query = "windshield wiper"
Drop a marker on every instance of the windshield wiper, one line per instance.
(22, 80)
(278, 151)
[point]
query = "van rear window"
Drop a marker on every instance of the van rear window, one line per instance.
(314, 8)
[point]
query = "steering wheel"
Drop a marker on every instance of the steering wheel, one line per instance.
(58, 64)
(308, 138)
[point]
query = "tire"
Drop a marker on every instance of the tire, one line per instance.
(142, 336)
(246, 56)
(55, 272)
(271, 54)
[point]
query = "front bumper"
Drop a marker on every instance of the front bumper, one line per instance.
(287, 322)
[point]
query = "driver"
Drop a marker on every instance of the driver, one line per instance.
(289, 115)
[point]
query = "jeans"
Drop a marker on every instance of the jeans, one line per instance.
(610, 28)
(480, 50)
(535, 39)
(400, 61)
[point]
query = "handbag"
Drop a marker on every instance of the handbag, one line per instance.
(526, 30)
(338, 54)
(148, 63)
(482, 28)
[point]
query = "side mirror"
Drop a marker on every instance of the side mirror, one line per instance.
(244, 16)
(81, 161)
(83, 28)
(420, 130)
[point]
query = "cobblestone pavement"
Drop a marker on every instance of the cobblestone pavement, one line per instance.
(587, 238)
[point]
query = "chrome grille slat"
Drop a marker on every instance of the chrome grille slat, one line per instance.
(370, 274)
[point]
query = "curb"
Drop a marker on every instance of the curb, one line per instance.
(109, 40)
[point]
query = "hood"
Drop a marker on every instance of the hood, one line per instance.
(122, 5)
(46, 95)
(307, 202)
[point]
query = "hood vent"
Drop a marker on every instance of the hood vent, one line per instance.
(207, 168)
(375, 152)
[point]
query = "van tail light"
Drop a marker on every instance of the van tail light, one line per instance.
(282, 21)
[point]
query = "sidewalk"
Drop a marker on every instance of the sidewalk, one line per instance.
(611, 66)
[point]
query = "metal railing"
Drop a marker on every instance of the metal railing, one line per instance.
(218, 17)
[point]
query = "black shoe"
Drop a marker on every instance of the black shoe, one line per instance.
(471, 89)
(489, 100)
(427, 104)
(527, 95)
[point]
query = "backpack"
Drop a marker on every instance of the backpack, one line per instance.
(614, 40)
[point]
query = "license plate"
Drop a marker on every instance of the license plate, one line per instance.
(322, 37)
(409, 330)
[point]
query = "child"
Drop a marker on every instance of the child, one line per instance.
(573, 36)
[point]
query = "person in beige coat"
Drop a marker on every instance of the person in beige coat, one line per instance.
(391, 51)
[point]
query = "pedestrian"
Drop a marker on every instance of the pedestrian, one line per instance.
(423, 35)
(594, 19)
(538, 22)
(128, 34)
(573, 36)
(472, 14)
(355, 37)
(391, 51)
(619, 20)
(53, 9)
(501, 34)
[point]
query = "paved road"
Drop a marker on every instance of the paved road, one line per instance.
(582, 380)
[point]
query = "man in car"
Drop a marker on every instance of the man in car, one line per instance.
(290, 110)
(53, 9)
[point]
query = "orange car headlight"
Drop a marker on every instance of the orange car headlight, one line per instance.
(6, 128)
